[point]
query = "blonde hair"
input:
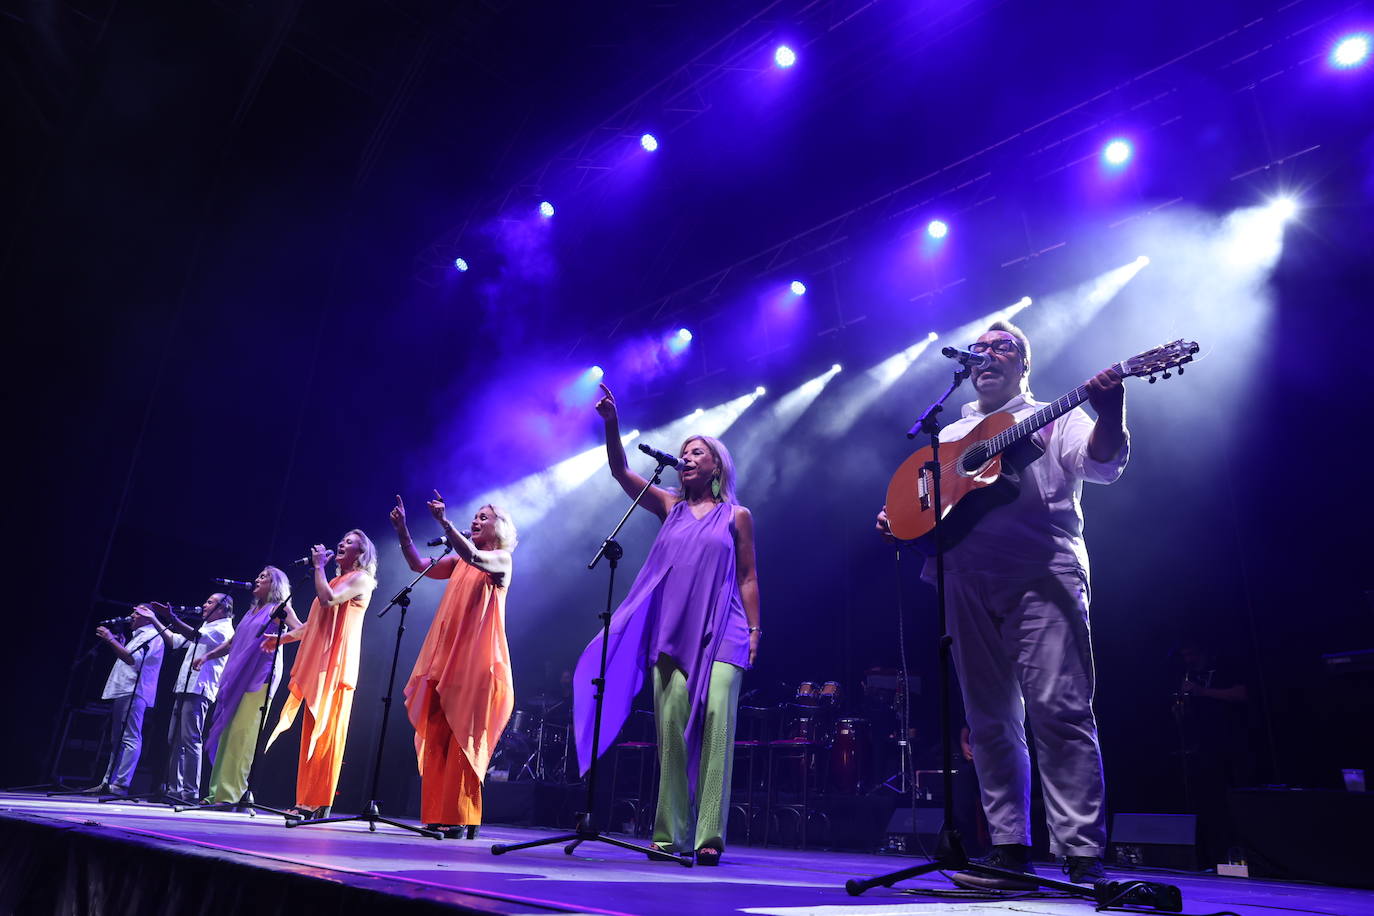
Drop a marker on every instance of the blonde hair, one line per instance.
(279, 585)
(367, 560)
(724, 462)
(506, 537)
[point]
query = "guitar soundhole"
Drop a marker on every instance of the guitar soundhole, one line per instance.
(973, 459)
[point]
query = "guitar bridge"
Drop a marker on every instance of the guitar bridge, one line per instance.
(924, 488)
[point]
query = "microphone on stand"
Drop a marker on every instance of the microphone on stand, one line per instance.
(306, 560)
(661, 457)
(440, 541)
(968, 359)
(234, 583)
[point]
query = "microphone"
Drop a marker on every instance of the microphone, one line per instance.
(306, 561)
(967, 359)
(234, 583)
(440, 541)
(661, 457)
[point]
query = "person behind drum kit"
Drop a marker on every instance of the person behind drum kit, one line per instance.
(460, 693)
(249, 680)
(692, 616)
(326, 668)
(194, 690)
(1017, 597)
(132, 688)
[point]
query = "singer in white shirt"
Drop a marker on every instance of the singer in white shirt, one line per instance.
(132, 686)
(194, 690)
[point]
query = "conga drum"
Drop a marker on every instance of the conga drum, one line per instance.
(847, 756)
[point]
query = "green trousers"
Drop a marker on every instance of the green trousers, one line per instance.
(234, 756)
(673, 819)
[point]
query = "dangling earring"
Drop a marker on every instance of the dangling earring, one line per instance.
(715, 487)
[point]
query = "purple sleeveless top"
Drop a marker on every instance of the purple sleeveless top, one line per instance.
(684, 604)
(245, 671)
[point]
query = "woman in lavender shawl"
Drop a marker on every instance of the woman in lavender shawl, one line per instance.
(691, 620)
(250, 677)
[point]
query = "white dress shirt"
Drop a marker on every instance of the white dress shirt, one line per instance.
(205, 681)
(123, 675)
(1042, 530)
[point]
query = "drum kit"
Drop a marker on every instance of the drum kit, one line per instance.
(536, 744)
(813, 716)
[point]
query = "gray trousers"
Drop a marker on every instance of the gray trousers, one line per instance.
(185, 735)
(1022, 650)
(126, 739)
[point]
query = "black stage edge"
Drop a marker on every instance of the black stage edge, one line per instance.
(54, 866)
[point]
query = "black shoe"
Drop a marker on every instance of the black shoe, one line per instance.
(472, 831)
(116, 790)
(708, 855)
(1010, 857)
(1084, 869)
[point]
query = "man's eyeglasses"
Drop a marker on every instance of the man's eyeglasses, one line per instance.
(1002, 347)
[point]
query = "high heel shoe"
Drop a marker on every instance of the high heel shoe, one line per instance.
(708, 855)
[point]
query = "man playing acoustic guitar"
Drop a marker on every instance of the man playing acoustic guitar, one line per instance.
(1017, 599)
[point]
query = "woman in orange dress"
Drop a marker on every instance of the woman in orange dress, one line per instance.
(460, 693)
(326, 668)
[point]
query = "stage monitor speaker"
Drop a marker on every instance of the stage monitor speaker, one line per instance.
(913, 836)
(1160, 840)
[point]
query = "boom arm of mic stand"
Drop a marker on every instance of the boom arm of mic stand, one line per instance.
(606, 547)
(403, 596)
(929, 422)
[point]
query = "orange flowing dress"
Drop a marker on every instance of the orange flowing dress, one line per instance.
(322, 680)
(460, 694)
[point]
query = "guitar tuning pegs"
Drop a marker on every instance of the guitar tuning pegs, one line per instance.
(1152, 380)
(1167, 375)
(1180, 370)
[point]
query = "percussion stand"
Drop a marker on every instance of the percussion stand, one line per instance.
(373, 815)
(585, 831)
(949, 852)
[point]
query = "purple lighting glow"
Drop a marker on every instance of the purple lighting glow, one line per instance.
(784, 57)
(649, 142)
(798, 288)
(937, 229)
(546, 209)
(460, 265)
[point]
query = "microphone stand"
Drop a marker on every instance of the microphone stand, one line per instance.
(949, 850)
(118, 752)
(373, 815)
(585, 832)
(246, 801)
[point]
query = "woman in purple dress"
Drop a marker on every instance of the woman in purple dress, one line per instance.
(691, 619)
(250, 677)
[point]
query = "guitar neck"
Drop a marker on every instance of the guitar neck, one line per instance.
(1042, 417)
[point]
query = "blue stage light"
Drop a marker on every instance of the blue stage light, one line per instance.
(784, 56)
(649, 142)
(597, 372)
(1351, 51)
(937, 229)
(684, 335)
(545, 209)
(460, 265)
(798, 288)
(1117, 152)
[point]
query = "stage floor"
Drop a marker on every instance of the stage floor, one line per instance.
(598, 878)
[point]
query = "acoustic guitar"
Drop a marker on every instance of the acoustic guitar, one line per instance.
(982, 470)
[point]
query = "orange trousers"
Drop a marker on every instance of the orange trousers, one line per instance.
(450, 790)
(317, 774)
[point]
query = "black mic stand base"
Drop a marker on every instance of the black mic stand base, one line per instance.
(245, 805)
(584, 833)
(372, 817)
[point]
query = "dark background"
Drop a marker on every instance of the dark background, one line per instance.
(235, 330)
